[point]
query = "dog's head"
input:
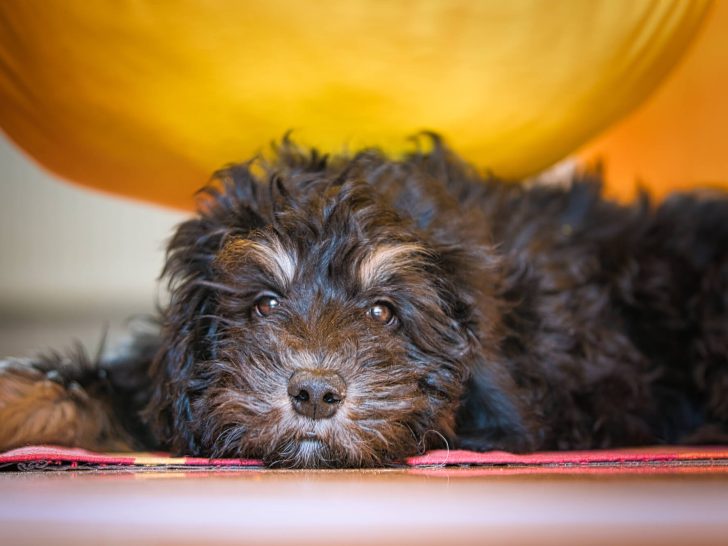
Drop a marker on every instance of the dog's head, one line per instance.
(321, 314)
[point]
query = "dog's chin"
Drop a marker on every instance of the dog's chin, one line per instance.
(310, 453)
(314, 453)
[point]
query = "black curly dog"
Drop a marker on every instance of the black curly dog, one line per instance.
(351, 311)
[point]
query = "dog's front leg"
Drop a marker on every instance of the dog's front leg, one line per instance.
(492, 416)
(41, 402)
(73, 401)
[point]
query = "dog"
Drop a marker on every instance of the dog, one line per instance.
(351, 311)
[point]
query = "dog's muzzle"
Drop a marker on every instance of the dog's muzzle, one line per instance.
(316, 394)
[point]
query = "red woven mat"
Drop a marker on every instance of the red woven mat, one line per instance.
(714, 458)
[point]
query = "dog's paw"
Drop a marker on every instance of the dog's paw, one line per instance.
(12, 364)
(17, 375)
(710, 433)
(40, 406)
(512, 444)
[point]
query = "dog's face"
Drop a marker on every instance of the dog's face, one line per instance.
(318, 327)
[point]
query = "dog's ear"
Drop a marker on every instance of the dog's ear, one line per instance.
(233, 207)
(491, 414)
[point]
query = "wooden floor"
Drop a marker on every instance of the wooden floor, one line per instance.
(414, 506)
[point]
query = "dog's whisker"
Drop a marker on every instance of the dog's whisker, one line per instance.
(423, 440)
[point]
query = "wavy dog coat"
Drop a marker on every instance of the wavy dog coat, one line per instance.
(353, 310)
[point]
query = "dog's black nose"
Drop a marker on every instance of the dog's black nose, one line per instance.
(316, 393)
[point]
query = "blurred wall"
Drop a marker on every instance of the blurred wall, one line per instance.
(71, 260)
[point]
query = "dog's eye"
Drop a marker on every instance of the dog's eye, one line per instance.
(381, 312)
(266, 305)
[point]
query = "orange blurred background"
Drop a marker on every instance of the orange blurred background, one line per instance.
(675, 140)
(145, 100)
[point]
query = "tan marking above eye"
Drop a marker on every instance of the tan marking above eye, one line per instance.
(269, 253)
(387, 259)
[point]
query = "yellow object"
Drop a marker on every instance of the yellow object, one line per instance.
(677, 139)
(147, 98)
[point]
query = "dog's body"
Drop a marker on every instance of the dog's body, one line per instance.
(353, 311)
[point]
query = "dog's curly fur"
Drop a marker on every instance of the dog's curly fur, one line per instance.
(457, 310)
